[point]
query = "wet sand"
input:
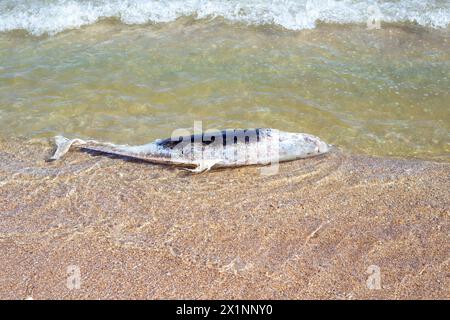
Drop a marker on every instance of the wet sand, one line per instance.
(137, 230)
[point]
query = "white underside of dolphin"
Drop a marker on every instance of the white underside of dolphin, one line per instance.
(212, 149)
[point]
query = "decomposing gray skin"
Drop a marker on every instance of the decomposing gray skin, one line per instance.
(211, 149)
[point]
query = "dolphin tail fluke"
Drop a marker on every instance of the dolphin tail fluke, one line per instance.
(63, 145)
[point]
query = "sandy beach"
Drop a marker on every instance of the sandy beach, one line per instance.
(142, 231)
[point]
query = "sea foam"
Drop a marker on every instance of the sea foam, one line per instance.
(52, 16)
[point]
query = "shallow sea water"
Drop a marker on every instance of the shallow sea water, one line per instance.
(379, 92)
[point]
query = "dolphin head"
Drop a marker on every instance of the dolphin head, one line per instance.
(301, 145)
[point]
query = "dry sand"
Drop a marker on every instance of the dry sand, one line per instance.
(138, 230)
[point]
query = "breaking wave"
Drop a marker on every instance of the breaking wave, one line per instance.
(40, 17)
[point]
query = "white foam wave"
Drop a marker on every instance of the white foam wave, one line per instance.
(52, 16)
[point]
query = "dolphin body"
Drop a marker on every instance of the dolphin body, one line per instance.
(211, 149)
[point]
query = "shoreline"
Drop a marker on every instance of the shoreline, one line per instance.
(138, 230)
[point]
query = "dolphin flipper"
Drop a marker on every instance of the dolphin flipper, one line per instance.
(203, 166)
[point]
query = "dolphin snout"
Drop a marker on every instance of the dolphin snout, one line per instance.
(322, 147)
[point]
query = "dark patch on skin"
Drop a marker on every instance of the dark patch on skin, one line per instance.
(208, 142)
(224, 138)
(238, 135)
(169, 143)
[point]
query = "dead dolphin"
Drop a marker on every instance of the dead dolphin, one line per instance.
(211, 149)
